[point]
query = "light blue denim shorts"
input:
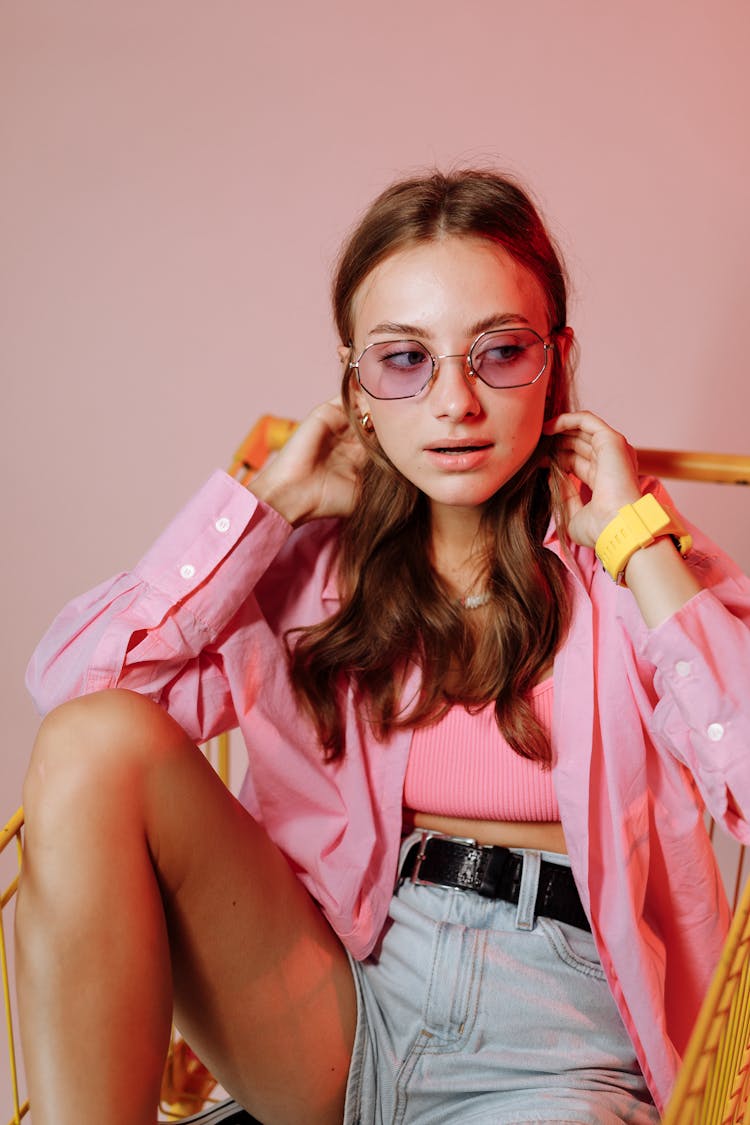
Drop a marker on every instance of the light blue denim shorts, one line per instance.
(471, 1010)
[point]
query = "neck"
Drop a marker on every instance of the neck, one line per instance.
(457, 548)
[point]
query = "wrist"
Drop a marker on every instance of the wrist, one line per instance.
(662, 548)
(659, 581)
(612, 513)
(282, 496)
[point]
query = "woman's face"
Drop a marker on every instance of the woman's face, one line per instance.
(458, 440)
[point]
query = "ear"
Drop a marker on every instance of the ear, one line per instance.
(564, 341)
(356, 394)
(358, 400)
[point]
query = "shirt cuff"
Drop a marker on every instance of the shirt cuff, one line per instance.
(224, 527)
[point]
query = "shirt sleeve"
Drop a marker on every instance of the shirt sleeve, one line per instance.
(157, 630)
(701, 656)
(702, 679)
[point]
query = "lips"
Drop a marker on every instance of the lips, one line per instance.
(459, 455)
(456, 445)
(457, 448)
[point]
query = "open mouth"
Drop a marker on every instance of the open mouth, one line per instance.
(458, 448)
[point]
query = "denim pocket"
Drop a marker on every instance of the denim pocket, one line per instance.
(574, 947)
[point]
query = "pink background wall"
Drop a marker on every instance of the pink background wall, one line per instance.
(176, 177)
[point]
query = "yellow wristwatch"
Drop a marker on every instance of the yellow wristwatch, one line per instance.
(638, 525)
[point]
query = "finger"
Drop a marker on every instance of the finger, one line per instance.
(336, 403)
(582, 420)
(332, 412)
(571, 498)
(328, 421)
(575, 440)
(569, 487)
(580, 466)
(594, 438)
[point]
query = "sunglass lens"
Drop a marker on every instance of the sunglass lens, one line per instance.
(395, 369)
(508, 359)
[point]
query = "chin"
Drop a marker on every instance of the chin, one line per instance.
(463, 497)
(466, 495)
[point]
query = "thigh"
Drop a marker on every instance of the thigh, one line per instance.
(262, 986)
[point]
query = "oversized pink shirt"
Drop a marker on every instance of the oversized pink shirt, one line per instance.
(647, 725)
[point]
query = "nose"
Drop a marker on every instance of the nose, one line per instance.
(453, 393)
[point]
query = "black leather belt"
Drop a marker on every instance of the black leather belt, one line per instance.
(494, 873)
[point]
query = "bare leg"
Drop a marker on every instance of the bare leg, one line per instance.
(143, 878)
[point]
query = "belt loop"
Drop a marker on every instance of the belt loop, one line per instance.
(421, 856)
(526, 912)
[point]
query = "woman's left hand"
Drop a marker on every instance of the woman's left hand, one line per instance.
(603, 461)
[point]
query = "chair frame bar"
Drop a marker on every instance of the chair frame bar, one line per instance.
(704, 1092)
(13, 830)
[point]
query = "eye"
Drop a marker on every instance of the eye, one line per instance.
(395, 368)
(404, 357)
(513, 358)
(502, 350)
(503, 353)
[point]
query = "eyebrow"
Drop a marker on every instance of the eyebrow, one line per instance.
(497, 320)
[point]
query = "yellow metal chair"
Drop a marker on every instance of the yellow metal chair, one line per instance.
(714, 1083)
(713, 1086)
(10, 834)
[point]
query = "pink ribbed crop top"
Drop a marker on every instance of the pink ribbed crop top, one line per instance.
(462, 766)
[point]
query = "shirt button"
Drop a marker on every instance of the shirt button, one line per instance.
(222, 524)
(187, 571)
(682, 667)
(715, 732)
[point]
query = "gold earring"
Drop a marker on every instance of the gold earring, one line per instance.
(365, 422)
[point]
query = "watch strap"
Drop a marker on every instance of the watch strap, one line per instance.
(635, 526)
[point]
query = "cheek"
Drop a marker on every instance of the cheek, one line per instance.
(524, 420)
(387, 434)
(395, 434)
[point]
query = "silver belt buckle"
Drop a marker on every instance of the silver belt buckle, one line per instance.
(421, 855)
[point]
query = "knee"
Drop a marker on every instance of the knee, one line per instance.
(92, 746)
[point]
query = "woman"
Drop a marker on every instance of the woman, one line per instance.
(440, 687)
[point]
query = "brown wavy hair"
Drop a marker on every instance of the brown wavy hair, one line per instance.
(395, 611)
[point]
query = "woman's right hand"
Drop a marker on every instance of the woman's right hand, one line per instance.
(314, 474)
